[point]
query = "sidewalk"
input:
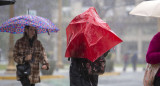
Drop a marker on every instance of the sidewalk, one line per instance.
(61, 78)
(12, 76)
(62, 73)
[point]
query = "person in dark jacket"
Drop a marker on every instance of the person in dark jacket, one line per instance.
(79, 76)
(134, 60)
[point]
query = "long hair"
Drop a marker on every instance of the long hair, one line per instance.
(25, 33)
(26, 36)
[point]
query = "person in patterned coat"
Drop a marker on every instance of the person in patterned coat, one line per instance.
(29, 49)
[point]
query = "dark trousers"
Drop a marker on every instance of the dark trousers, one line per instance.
(79, 77)
(134, 66)
(156, 81)
(25, 81)
(125, 66)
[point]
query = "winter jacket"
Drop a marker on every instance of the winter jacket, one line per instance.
(22, 49)
(80, 77)
(153, 53)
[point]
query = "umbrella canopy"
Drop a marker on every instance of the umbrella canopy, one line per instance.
(89, 37)
(16, 25)
(147, 8)
(6, 2)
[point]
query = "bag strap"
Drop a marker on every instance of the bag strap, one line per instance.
(32, 60)
(155, 67)
(69, 59)
(150, 72)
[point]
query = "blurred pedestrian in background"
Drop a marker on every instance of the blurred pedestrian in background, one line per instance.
(134, 61)
(30, 50)
(126, 60)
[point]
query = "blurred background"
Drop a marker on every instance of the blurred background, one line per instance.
(126, 61)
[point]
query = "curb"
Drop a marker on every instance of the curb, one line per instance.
(42, 77)
(110, 74)
(51, 77)
(56, 76)
(7, 77)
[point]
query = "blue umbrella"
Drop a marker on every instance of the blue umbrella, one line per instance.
(16, 25)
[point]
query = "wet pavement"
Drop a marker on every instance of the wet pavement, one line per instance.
(127, 78)
(124, 79)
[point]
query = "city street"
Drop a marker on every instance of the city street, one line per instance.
(55, 32)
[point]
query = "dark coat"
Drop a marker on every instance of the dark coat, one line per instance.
(80, 77)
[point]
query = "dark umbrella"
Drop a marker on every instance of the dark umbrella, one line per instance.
(6, 2)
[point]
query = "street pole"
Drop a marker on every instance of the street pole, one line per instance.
(158, 24)
(11, 68)
(59, 63)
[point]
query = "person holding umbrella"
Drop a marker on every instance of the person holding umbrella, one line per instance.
(29, 49)
(89, 40)
(79, 75)
(152, 73)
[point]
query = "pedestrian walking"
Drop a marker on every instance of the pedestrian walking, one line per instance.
(153, 56)
(89, 39)
(149, 8)
(29, 50)
(79, 75)
(134, 61)
(125, 59)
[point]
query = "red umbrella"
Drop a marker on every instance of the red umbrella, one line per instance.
(89, 37)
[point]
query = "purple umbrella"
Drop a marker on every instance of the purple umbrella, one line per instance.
(16, 25)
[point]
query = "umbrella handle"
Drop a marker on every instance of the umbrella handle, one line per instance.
(28, 11)
(48, 32)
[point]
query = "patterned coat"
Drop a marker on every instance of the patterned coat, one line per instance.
(22, 49)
